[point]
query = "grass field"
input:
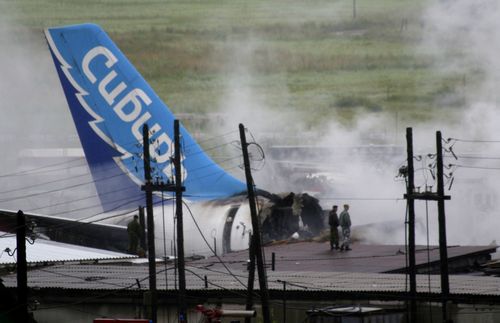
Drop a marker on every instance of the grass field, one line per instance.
(314, 57)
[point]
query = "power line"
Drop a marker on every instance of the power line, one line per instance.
(202, 150)
(10, 199)
(199, 142)
(41, 184)
(98, 205)
(222, 172)
(29, 171)
(81, 301)
(194, 170)
(95, 172)
(472, 140)
(475, 157)
(361, 198)
(210, 247)
(80, 199)
(475, 167)
(35, 170)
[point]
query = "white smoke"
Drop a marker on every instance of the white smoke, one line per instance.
(462, 38)
(464, 35)
(35, 126)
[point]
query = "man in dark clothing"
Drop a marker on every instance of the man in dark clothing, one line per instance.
(333, 221)
(345, 224)
(134, 234)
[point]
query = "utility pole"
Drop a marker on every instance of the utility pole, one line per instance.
(264, 293)
(410, 189)
(440, 198)
(180, 231)
(443, 248)
(22, 269)
(151, 225)
(251, 278)
(150, 187)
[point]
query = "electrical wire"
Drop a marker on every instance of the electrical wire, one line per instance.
(220, 172)
(84, 208)
(86, 299)
(36, 171)
(10, 199)
(199, 168)
(361, 198)
(206, 150)
(80, 175)
(472, 141)
(31, 186)
(194, 273)
(475, 167)
(210, 247)
(230, 290)
(199, 142)
(81, 199)
(126, 198)
(29, 171)
(474, 157)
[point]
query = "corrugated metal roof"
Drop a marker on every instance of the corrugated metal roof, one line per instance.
(314, 256)
(115, 277)
(45, 251)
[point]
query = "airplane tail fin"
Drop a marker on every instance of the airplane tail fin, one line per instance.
(110, 102)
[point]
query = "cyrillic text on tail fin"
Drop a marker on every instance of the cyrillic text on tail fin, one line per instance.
(110, 102)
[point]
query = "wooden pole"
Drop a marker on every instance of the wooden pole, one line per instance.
(264, 293)
(251, 278)
(151, 226)
(22, 269)
(180, 229)
(411, 227)
(443, 248)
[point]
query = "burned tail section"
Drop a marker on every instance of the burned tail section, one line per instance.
(110, 102)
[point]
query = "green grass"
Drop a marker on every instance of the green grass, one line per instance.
(310, 56)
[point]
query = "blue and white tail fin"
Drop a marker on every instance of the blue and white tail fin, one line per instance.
(110, 102)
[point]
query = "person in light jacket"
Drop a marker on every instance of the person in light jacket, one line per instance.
(345, 224)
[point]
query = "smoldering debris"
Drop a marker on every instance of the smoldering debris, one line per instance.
(290, 214)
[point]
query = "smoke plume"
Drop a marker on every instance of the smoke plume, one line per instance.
(36, 129)
(462, 39)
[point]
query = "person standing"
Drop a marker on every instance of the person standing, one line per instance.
(134, 235)
(345, 224)
(333, 221)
